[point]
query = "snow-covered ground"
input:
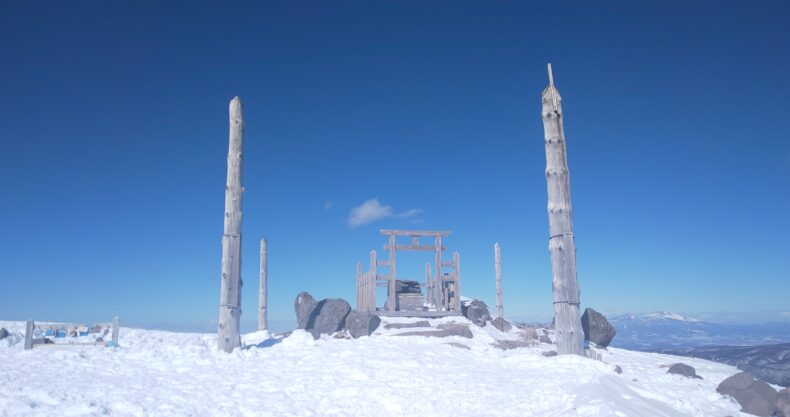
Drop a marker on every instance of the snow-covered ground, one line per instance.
(156, 373)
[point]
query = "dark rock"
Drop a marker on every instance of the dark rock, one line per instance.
(618, 369)
(755, 397)
(361, 323)
(476, 311)
(684, 370)
(3, 333)
(550, 353)
(421, 323)
(783, 403)
(501, 324)
(596, 328)
(407, 287)
(304, 306)
(545, 339)
(445, 330)
(328, 316)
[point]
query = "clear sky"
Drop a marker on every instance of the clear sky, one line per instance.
(114, 135)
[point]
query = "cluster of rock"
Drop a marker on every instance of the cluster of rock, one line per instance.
(756, 397)
(332, 315)
(596, 328)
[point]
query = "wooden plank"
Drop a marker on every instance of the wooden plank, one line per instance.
(448, 264)
(414, 232)
(263, 323)
(412, 247)
(230, 289)
(565, 287)
(29, 334)
(383, 263)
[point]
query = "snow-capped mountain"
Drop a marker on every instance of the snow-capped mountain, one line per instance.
(663, 330)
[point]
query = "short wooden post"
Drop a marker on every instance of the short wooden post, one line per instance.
(392, 299)
(228, 337)
(373, 279)
(263, 323)
(29, 335)
(437, 280)
(498, 270)
(428, 288)
(360, 288)
(457, 286)
(116, 327)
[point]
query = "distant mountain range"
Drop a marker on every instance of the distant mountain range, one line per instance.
(657, 331)
(762, 348)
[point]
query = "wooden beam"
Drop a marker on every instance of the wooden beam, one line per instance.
(448, 264)
(383, 263)
(230, 292)
(412, 247)
(414, 232)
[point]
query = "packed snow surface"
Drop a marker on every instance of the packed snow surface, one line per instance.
(157, 373)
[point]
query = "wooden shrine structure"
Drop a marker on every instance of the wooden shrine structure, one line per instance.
(440, 295)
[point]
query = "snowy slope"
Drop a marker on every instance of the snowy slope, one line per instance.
(157, 373)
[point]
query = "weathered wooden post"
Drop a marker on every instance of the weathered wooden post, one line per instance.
(29, 334)
(457, 287)
(263, 323)
(392, 296)
(437, 280)
(567, 322)
(116, 329)
(500, 311)
(373, 278)
(230, 290)
(428, 285)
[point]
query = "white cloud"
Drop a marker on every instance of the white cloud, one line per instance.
(371, 210)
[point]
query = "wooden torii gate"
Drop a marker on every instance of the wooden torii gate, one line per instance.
(442, 291)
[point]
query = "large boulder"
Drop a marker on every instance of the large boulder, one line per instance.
(683, 370)
(3, 333)
(596, 328)
(476, 311)
(361, 323)
(328, 316)
(304, 306)
(783, 403)
(501, 324)
(755, 397)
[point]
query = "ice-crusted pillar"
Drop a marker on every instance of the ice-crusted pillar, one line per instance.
(230, 291)
(567, 321)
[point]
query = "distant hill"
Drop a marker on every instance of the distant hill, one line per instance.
(657, 331)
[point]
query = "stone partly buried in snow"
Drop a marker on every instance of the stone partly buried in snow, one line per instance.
(596, 328)
(783, 403)
(501, 324)
(3, 333)
(361, 323)
(304, 306)
(476, 311)
(755, 397)
(684, 370)
(328, 316)
(443, 330)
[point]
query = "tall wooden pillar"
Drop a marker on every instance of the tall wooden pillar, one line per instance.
(263, 323)
(230, 291)
(457, 287)
(498, 270)
(437, 280)
(567, 321)
(373, 281)
(392, 297)
(428, 285)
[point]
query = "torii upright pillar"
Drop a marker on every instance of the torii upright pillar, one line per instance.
(567, 322)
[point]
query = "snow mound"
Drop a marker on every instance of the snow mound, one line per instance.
(156, 373)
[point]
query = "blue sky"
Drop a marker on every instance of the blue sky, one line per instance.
(113, 139)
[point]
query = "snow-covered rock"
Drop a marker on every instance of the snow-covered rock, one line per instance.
(755, 397)
(361, 323)
(476, 311)
(596, 328)
(684, 370)
(304, 306)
